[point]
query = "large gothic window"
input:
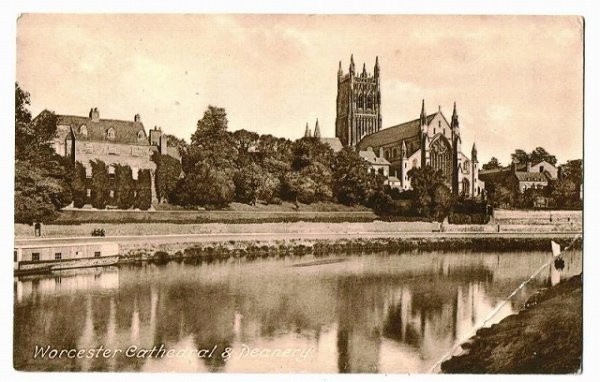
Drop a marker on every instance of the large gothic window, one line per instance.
(441, 157)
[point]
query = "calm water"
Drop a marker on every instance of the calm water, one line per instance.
(375, 313)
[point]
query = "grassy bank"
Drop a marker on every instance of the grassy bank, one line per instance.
(235, 213)
(545, 338)
(224, 250)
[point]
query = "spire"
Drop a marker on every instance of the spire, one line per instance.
(364, 72)
(317, 132)
(340, 72)
(423, 118)
(474, 153)
(376, 69)
(352, 63)
(454, 123)
(307, 131)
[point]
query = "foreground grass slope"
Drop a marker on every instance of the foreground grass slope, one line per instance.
(545, 338)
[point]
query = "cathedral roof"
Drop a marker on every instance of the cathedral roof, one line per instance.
(125, 131)
(392, 134)
(334, 143)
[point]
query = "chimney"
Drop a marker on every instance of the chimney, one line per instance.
(137, 118)
(94, 114)
(528, 166)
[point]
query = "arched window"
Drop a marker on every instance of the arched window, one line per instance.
(465, 186)
(395, 152)
(83, 130)
(440, 156)
(110, 133)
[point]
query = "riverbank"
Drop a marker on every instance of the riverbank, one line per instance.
(23, 231)
(209, 250)
(545, 338)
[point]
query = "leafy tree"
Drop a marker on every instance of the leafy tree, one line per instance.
(297, 187)
(443, 201)
(308, 150)
(124, 187)
(209, 164)
(268, 187)
(320, 175)
(211, 142)
(180, 144)
(41, 175)
(519, 156)
(540, 154)
(79, 186)
(573, 171)
(168, 171)
(206, 186)
(350, 177)
(503, 195)
(279, 149)
(425, 181)
(246, 181)
(537, 155)
(143, 197)
(36, 193)
(492, 164)
(100, 187)
(243, 141)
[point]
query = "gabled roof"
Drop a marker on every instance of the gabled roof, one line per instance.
(369, 156)
(125, 131)
(395, 133)
(334, 143)
(531, 176)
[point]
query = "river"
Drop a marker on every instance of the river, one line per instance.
(376, 313)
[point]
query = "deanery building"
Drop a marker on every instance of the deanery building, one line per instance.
(112, 141)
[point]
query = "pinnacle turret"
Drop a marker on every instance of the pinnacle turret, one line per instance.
(317, 132)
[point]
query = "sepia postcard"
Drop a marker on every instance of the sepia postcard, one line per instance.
(295, 193)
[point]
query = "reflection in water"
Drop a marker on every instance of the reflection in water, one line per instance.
(377, 313)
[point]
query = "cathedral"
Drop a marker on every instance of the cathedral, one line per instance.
(428, 140)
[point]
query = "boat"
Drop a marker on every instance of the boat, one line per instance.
(47, 257)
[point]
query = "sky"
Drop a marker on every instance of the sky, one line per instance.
(517, 80)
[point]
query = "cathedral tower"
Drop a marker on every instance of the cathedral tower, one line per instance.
(358, 104)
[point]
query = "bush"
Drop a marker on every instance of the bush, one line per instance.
(79, 186)
(143, 198)
(160, 257)
(100, 186)
(98, 232)
(462, 218)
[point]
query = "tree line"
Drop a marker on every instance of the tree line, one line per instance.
(562, 192)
